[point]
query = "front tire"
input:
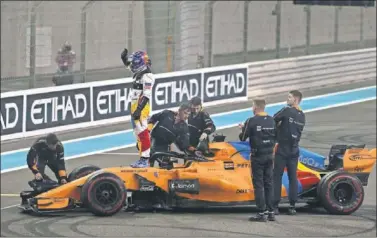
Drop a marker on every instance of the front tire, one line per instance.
(340, 193)
(82, 171)
(104, 194)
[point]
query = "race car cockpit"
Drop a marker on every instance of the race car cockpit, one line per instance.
(166, 160)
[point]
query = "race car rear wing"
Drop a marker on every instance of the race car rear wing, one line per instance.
(336, 154)
(360, 161)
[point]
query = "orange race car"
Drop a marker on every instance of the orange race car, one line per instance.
(219, 178)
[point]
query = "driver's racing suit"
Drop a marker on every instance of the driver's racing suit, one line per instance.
(40, 156)
(140, 109)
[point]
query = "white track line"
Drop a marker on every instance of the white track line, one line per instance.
(73, 140)
(108, 153)
(3, 208)
(74, 157)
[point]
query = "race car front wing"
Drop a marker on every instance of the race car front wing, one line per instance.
(48, 205)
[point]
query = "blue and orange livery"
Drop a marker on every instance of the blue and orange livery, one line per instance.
(220, 178)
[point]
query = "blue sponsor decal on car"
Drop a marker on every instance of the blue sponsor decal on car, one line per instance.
(312, 159)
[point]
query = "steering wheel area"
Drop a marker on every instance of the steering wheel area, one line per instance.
(167, 159)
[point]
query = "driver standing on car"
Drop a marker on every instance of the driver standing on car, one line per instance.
(170, 127)
(139, 64)
(290, 123)
(261, 131)
(200, 124)
(47, 151)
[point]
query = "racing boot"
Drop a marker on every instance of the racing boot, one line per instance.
(261, 217)
(143, 162)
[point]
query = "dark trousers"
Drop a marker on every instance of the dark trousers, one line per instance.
(279, 164)
(157, 146)
(262, 168)
(41, 165)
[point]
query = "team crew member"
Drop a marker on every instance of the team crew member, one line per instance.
(48, 151)
(139, 64)
(200, 123)
(170, 127)
(261, 131)
(290, 123)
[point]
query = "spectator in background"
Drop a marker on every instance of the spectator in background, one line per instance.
(65, 58)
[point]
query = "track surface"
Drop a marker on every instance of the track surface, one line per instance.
(350, 124)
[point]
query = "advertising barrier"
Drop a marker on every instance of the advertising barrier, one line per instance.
(38, 111)
(43, 110)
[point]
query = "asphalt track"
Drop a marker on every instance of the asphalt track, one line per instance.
(349, 124)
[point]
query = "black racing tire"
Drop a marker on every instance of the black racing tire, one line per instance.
(340, 193)
(82, 171)
(101, 188)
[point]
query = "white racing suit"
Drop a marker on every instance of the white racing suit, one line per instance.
(141, 96)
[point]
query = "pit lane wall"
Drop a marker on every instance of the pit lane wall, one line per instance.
(38, 111)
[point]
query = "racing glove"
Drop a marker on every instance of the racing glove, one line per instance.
(124, 56)
(137, 113)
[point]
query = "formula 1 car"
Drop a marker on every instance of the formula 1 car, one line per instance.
(220, 178)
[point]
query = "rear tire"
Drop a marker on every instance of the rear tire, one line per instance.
(104, 194)
(82, 171)
(340, 193)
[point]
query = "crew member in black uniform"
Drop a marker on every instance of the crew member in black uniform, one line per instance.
(290, 123)
(47, 150)
(200, 124)
(169, 127)
(261, 131)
